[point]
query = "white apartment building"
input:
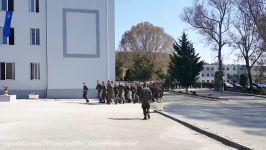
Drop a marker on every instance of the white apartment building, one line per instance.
(55, 45)
(208, 73)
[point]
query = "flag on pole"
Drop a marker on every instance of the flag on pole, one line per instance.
(7, 23)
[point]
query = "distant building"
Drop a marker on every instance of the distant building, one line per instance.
(55, 45)
(231, 73)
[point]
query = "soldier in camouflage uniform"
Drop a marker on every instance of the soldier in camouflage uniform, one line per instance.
(146, 97)
(120, 93)
(116, 98)
(104, 94)
(133, 90)
(110, 92)
(99, 89)
(126, 94)
(85, 92)
(139, 90)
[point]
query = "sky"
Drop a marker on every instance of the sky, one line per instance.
(166, 14)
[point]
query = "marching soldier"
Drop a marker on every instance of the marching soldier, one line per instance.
(120, 93)
(158, 93)
(127, 97)
(103, 96)
(152, 88)
(110, 90)
(139, 90)
(116, 98)
(146, 97)
(85, 92)
(133, 90)
(99, 89)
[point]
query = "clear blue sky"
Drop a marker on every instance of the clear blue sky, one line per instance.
(166, 14)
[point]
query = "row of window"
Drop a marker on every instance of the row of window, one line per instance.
(208, 75)
(208, 81)
(7, 71)
(209, 68)
(34, 37)
(8, 5)
(223, 68)
(212, 81)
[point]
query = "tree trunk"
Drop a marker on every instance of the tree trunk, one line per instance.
(249, 74)
(250, 79)
(220, 62)
(187, 90)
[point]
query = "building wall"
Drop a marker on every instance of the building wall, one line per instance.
(80, 61)
(73, 53)
(22, 53)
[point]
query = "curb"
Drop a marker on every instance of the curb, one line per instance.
(209, 134)
(245, 94)
(199, 96)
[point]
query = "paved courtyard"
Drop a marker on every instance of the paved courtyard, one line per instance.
(241, 118)
(31, 125)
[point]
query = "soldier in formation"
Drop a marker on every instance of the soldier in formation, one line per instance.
(85, 92)
(120, 93)
(104, 93)
(99, 90)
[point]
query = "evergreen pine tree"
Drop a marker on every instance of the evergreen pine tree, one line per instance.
(184, 64)
(143, 67)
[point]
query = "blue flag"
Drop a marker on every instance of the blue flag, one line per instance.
(7, 23)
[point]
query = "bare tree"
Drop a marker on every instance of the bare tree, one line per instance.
(145, 37)
(246, 39)
(212, 19)
(256, 11)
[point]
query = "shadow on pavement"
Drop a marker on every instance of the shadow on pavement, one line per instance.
(84, 103)
(124, 119)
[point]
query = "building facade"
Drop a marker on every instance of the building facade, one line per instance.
(55, 45)
(231, 73)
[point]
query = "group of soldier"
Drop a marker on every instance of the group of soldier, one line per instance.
(143, 93)
(126, 93)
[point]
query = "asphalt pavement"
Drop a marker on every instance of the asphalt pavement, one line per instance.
(240, 118)
(66, 124)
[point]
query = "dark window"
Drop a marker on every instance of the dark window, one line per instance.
(3, 4)
(34, 6)
(35, 71)
(35, 36)
(12, 37)
(3, 71)
(2, 39)
(10, 5)
(7, 71)
(37, 6)
(7, 41)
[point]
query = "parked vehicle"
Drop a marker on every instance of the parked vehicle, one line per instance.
(264, 85)
(228, 85)
(237, 85)
(257, 85)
